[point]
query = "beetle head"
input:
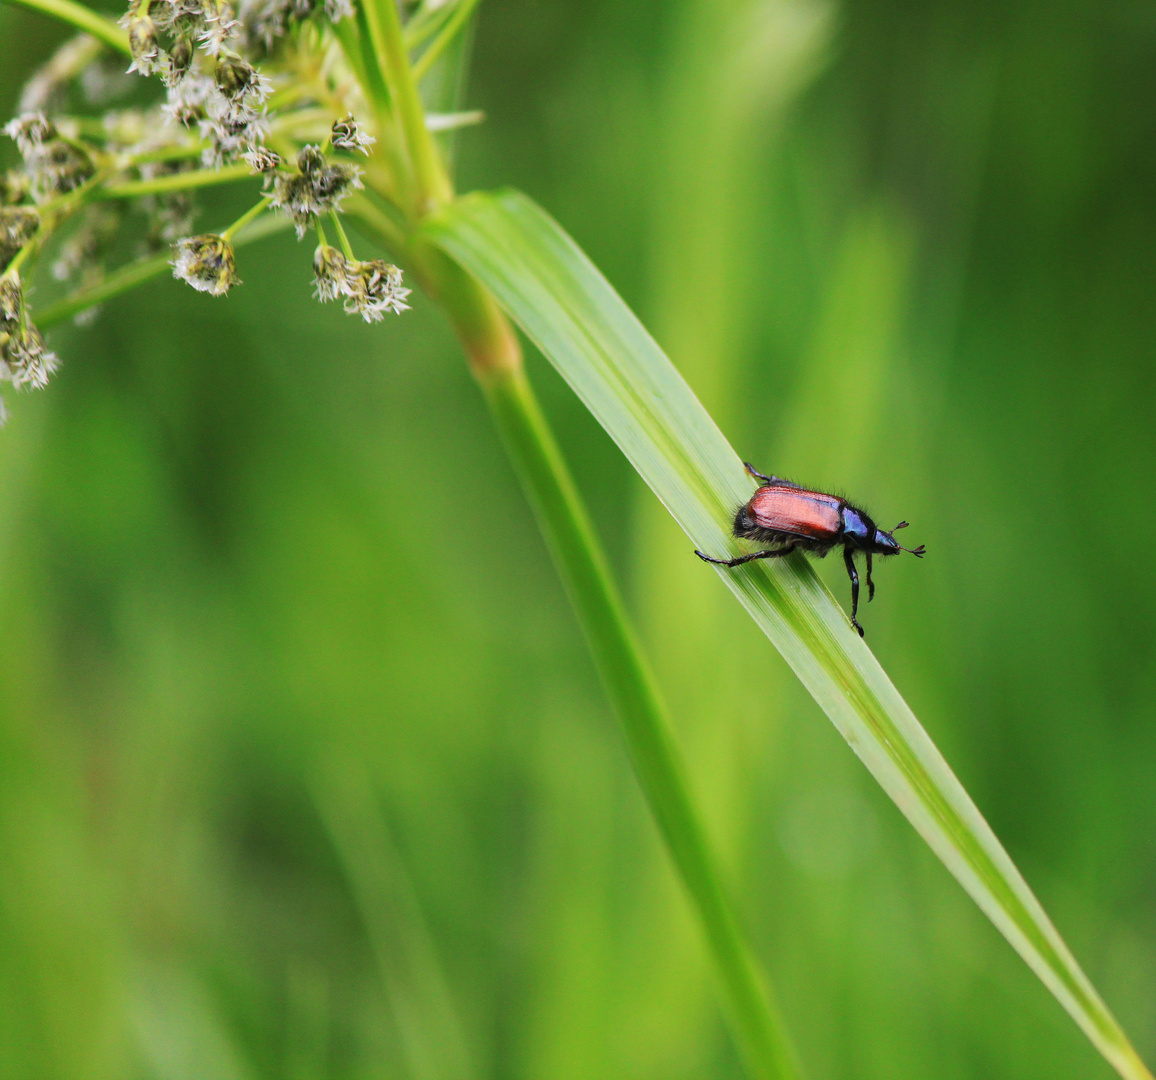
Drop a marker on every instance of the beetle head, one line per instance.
(886, 544)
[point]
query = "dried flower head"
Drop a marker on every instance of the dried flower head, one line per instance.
(373, 288)
(187, 100)
(24, 360)
(220, 28)
(142, 42)
(11, 298)
(180, 60)
(207, 263)
(53, 164)
(318, 188)
(236, 78)
(370, 288)
(264, 22)
(18, 225)
(30, 132)
(347, 135)
(310, 159)
(330, 273)
(261, 159)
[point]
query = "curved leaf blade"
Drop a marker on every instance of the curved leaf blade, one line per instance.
(574, 316)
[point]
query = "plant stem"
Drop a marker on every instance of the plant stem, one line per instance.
(177, 182)
(432, 183)
(583, 568)
(248, 216)
(83, 19)
(346, 246)
(496, 360)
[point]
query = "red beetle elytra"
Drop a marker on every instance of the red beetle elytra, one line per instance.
(788, 516)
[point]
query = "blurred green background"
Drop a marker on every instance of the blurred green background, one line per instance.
(304, 770)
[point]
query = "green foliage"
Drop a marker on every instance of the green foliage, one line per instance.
(249, 548)
(567, 308)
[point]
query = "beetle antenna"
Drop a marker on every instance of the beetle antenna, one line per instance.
(919, 551)
(901, 525)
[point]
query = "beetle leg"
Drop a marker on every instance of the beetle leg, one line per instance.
(853, 574)
(870, 583)
(756, 474)
(775, 553)
(773, 481)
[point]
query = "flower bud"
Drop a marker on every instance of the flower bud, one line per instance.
(235, 75)
(261, 159)
(373, 288)
(24, 361)
(180, 60)
(330, 273)
(207, 263)
(310, 159)
(18, 225)
(30, 132)
(347, 135)
(142, 43)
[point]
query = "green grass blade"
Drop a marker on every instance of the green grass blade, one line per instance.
(759, 1028)
(575, 317)
(83, 18)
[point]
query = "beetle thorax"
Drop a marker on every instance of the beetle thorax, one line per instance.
(858, 529)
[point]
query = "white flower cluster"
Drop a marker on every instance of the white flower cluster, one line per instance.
(24, 360)
(265, 22)
(370, 288)
(317, 187)
(55, 165)
(210, 84)
(207, 263)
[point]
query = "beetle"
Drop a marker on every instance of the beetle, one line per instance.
(792, 517)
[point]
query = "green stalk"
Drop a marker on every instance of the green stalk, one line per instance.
(177, 182)
(581, 564)
(83, 19)
(495, 358)
(431, 182)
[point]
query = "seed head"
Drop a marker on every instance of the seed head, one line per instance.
(347, 135)
(142, 43)
(235, 76)
(180, 60)
(330, 273)
(24, 360)
(220, 28)
(310, 159)
(207, 263)
(318, 188)
(372, 288)
(30, 131)
(18, 224)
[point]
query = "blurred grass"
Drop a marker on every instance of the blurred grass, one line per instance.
(216, 574)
